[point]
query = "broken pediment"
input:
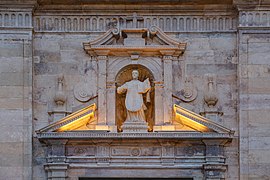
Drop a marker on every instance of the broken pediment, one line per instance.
(196, 126)
(76, 121)
(198, 122)
(134, 41)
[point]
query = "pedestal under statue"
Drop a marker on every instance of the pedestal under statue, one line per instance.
(135, 106)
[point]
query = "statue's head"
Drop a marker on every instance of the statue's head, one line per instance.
(135, 74)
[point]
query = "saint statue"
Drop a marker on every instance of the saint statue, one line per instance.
(134, 98)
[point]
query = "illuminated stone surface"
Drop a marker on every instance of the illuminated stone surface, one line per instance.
(42, 40)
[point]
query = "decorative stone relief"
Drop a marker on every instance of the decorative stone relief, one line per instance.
(101, 23)
(254, 18)
(210, 96)
(83, 92)
(15, 19)
(81, 151)
(135, 152)
(188, 93)
(59, 110)
(60, 97)
(211, 109)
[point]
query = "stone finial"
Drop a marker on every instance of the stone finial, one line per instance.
(210, 96)
(60, 97)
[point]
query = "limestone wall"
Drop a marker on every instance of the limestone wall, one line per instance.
(254, 76)
(15, 94)
(35, 50)
(207, 52)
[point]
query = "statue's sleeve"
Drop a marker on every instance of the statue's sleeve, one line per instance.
(145, 86)
(122, 89)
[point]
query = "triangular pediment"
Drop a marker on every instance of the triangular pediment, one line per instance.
(75, 121)
(196, 127)
(198, 122)
(135, 41)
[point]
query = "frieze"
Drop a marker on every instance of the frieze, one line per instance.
(94, 23)
(254, 19)
(135, 151)
(80, 151)
(10, 19)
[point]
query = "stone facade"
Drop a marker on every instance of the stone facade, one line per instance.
(50, 71)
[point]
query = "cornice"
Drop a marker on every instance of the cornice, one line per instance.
(150, 8)
(256, 5)
(128, 2)
(109, 135)
(21, 5)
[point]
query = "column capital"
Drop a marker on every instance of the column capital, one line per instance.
(167, 53)
(167, 57)
(102, 57)
(111, 84)
(215, 142)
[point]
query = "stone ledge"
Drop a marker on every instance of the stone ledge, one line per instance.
(108, 135)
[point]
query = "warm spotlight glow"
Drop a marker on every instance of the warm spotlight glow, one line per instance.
(76, 123)
(73, 121)
(190, 119)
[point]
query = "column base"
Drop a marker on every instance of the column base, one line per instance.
(135, 127)
(164, 128)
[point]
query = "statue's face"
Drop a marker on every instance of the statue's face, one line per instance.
(135, 74)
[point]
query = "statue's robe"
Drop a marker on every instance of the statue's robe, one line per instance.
(134, 99)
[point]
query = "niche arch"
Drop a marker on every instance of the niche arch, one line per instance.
(153, 64)
(124, 75)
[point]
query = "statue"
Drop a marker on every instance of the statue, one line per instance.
(134, 99)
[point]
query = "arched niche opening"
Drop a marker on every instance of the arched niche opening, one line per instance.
(125, 75)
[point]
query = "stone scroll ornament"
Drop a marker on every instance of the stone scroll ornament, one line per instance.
(188, 93)
(83, 92)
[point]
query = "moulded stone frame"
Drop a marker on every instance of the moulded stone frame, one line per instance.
(160, 67)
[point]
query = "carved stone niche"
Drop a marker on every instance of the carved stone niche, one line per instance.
(117, 53)
(123, 76)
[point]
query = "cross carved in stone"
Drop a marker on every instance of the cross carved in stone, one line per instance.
(134, 18)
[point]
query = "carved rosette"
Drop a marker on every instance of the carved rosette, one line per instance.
(188, 93)
(81, 92)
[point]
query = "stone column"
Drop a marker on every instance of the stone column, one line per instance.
(102, 75)
(167, 96)
(111, 90)
(214, 167)
(159, 104)
(56, 166)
